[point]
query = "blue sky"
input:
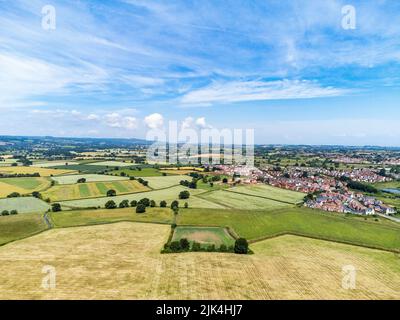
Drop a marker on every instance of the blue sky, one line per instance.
(287, 69)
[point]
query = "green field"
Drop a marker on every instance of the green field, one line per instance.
(20, 226)
(263, 190)
(23, 205)
(72, 179)
(100, 216)
(168, 195)
(164, 182)
(83, 168)
(253, 225)
(111, 164)
(136, 172)
(22, 185)
(204, 235)
(92, 189)
(240, 201)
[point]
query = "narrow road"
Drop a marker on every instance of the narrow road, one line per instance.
(389, 217)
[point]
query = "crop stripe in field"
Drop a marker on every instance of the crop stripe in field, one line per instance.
(254, 195)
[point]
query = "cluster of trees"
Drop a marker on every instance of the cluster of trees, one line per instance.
(7, 213)
(142, 204)
(190, 184)
(183, 245)
(14, 195)
(355, 185)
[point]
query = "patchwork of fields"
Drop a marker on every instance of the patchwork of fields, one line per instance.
(71, 179)
(44, 172)
(92, 190)
(22, 185)
(122, 261)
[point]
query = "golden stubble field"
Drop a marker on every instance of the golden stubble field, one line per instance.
(122, 261)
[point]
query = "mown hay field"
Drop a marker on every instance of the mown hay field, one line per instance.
(22, 185)
(263, 190)
(252, 224)
(168, 194)
(20, 226)
(92, 190)
(44, 172)
(123, 261)
(100, 216)
(204, 235)
(241, 201)
(72, 179)
(23, 204)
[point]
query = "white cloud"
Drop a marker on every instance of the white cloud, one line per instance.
(187, 123)
(154, 121)
(237, 91)
(116, 120)
(201, 123)
(92, 116)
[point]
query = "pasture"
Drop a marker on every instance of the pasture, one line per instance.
(241, 201)
(23, 204)
(123, 261)
(22, 185)
(204, 235)
(20, 226)
(163, 182)
(47, 164)
(44, 172)
(266, 191)
(169, 195)
(71, 179)
(255, 225)
(102, 216)
(111, 164)
(92, 190)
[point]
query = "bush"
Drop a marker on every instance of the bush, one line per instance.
(56, 207)
(152, 203)
(145, 202)
(14, 195)
(224, 180)
(211, 248)
(163, 204)
(13, 212)
(36, 195)
(241, 246)
(175, 246)
(5, 213)
(124, 204)
(133, 203)
(184, 244)
(141, 208)
(223, 248)
(111, 193)
(110, 204)
(184, 195)
(186, 205)
(196, 246)
(81, 180)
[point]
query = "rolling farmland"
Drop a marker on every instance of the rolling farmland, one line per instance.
(44, 172)
(22, 185)
(131, 267)
(92, 190)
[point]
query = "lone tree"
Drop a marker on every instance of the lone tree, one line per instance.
(184, 195)
(141, 208)
(241, 246)
(13, 212)
(111, 193)
(110, 204)
(163, 204)
(152, 203)
(174, 204)
(55, 207)
(5, 213)
(36, 195)
(224, 180)
(81, 180)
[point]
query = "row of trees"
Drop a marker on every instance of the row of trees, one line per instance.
(241, 246)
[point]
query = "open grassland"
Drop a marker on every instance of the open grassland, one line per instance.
(204, 235)
(123, 261)
(23, 204)
(22, 185)
(164, 182)
(20, 226)
(111, 164)
(241, 201)
(253, 225)
(44, 172)
(102, 216)
(92, 190)
(263, 190)
(47, 164)
(71, 179)
(169, 195)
